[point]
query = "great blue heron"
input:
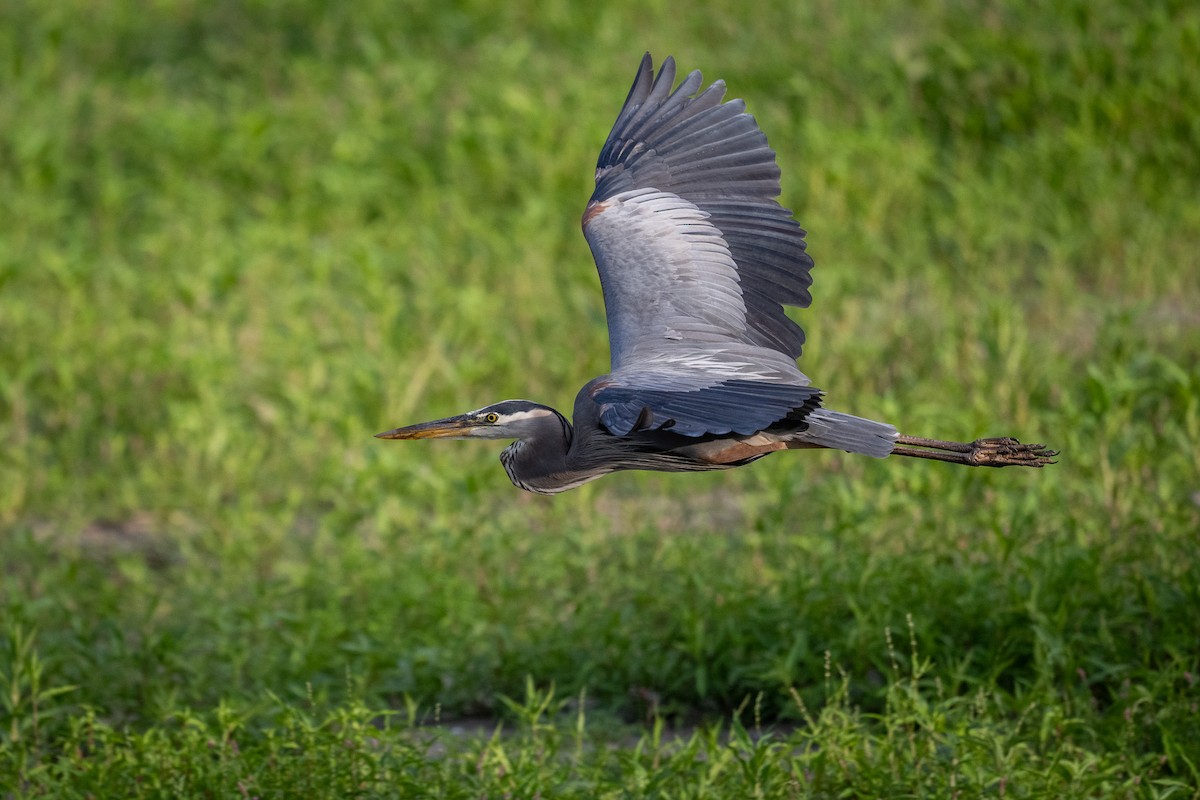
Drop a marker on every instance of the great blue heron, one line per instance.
(696, 260)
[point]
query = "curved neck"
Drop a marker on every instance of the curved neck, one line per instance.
(539, 461)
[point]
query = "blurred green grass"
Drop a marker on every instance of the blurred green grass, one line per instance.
(239, 238)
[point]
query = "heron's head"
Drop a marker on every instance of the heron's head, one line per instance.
(511, 419)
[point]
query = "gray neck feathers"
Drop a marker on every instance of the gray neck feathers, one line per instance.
(539, 462)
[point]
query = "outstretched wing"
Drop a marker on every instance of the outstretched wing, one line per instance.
(696, 259)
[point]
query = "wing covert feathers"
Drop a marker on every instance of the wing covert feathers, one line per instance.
(710, 153)
(697, 259)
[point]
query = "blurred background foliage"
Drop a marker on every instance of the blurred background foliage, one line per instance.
(238, 238)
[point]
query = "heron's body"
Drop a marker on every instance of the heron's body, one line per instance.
(696, 261)
(552, 455)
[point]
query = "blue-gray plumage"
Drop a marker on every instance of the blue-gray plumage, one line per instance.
(696, 261)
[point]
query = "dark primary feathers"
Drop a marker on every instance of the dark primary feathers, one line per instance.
(713, 155)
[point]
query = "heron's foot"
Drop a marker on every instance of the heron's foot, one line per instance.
(1008, 452)
(1003, 451)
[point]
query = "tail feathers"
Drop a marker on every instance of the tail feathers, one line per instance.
(840, 431)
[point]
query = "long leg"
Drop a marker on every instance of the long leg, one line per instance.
(1001, 452)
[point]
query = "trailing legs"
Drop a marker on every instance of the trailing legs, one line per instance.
(1000, 452)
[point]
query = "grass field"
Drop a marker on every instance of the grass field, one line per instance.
(237, 239)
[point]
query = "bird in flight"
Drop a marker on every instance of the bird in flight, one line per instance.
(696, 261)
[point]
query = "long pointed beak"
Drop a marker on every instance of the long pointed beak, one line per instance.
(450, 428)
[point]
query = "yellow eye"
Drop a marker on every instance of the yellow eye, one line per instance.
(492, 416)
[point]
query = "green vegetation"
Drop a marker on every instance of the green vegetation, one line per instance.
(237, 239)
